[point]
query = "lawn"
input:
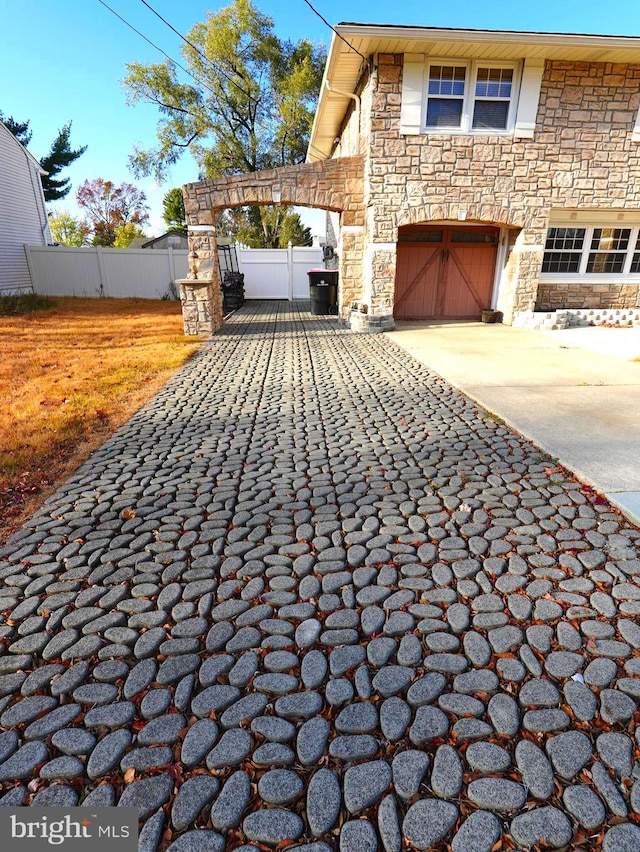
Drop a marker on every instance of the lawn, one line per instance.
(71, 372)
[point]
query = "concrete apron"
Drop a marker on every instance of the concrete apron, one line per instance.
(580, 406)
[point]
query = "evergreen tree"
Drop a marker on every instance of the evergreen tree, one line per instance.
(59, 157)
(173, 205)
(19, 129)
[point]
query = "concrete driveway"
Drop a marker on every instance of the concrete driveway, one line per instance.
(573, 392)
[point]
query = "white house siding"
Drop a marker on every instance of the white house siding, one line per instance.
(23, 217)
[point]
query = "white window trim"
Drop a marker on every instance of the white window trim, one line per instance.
(584, 277)
(635, 133)
(469, 98)
(529, 98)
(412, 91)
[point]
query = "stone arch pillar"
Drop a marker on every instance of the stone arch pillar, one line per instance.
(201, 292)
(328, 184)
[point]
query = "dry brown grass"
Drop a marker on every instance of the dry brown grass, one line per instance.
(69, 376)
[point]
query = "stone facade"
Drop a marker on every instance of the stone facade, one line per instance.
(561, 296)
(582, 156)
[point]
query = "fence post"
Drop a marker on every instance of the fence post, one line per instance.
(30, 267)
(102, 272)
(290, 270)
(238, 248)
(172, 267)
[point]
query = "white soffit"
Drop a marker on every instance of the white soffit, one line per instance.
(568, 216)
(344, 66)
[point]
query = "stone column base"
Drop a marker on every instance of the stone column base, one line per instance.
(370, 324)
(201, 312)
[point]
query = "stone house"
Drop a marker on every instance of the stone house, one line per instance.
(464, 170)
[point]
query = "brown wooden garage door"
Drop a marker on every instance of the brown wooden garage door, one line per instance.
(444, 272)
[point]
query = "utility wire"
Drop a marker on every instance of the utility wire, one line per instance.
(164, 53)
(325, 21)
(196, 48)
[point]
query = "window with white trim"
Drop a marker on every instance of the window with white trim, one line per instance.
(591, 251)
(470, 97)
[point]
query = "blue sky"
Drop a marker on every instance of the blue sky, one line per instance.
(65, 61)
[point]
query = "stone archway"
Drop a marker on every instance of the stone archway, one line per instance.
(487, 214)
(335, 185)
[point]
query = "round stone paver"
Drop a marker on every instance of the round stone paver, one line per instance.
(311, 594)
(584, 806)
(323, 801)
(200, 840)
(358, 836)
(429, 821)
(535, 769)
(487, 757)
(147, 795)
(622, 838)
(279, 786)
(616, 750)
(478, 833)
(497, 794)
(569, 753)
(364, 784)
(543, 825)
(272, 826)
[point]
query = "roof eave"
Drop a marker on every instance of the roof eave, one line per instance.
(26, 150)
(369, 35)
(483, 36)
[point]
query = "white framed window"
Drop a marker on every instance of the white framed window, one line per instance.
(470, 97)
(591, 253)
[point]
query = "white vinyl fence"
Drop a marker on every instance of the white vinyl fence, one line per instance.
(120, 273)
(96, 271)
(278, 273)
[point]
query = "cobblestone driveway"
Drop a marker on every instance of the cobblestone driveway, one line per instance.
(311, 592)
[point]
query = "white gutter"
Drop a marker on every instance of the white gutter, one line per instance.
(496, 36)
(353, 97)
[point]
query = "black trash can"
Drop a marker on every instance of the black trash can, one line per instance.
(232, 291)
(323, 288)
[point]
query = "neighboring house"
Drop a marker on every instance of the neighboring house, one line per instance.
(23, 216)
(469, 169)
(172, 239)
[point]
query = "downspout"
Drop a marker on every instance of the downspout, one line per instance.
(37, 197)
(353, 97)
(44, 207)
